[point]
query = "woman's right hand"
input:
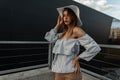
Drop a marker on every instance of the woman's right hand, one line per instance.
(76, 64)
(59, 22)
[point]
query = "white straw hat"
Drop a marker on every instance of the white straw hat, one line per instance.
(75, 10)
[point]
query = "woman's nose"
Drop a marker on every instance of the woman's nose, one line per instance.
(65, 17)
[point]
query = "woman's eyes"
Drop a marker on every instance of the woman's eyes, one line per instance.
(65, 15)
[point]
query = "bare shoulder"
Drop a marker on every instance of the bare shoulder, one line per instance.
(78, 32)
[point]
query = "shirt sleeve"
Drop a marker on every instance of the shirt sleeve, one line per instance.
(52, 35)
(91, 47)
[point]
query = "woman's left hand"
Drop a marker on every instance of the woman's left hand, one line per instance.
(76, 64)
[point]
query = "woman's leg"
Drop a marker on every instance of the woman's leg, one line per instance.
(73, 76)
(59, 76)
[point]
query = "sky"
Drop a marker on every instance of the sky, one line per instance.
(109, 7)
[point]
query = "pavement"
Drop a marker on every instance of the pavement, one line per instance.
(38, 74)
(48, 75)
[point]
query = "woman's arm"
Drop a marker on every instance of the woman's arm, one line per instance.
(92, 48)
(52, 35)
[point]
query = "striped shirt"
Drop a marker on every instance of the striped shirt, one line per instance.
(65, 50)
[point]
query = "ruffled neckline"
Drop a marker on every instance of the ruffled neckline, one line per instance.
(74, 38)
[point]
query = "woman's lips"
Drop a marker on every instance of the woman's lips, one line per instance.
(65, 21)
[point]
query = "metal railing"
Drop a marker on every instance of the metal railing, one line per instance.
(18, 56)
(50, 57)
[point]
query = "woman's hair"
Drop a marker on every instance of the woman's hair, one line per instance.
(73, 23)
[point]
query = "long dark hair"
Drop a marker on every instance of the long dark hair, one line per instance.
(74, 20)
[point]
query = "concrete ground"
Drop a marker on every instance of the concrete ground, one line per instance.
(38, 74)
(48, 75)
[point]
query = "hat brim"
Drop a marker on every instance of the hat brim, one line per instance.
(75, 10)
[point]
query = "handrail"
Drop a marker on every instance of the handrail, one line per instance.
(46, 42)
(106, 62)
(23, 48)
(24, 42)
(22, 69)
(109, 46)
(93, 67)
(20, 56)
(95, 74)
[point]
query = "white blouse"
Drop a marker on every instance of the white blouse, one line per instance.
(65, 50)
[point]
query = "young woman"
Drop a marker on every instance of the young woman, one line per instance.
(66, 49)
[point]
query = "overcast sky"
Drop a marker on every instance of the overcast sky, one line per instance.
(109, 7)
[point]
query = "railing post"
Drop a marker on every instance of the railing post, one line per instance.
(50, 55)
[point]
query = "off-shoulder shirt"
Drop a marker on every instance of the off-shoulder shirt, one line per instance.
(66, 50)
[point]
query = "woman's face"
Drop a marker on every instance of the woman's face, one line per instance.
(66, 18)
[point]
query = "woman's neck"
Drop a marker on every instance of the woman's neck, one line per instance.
(69, 28)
